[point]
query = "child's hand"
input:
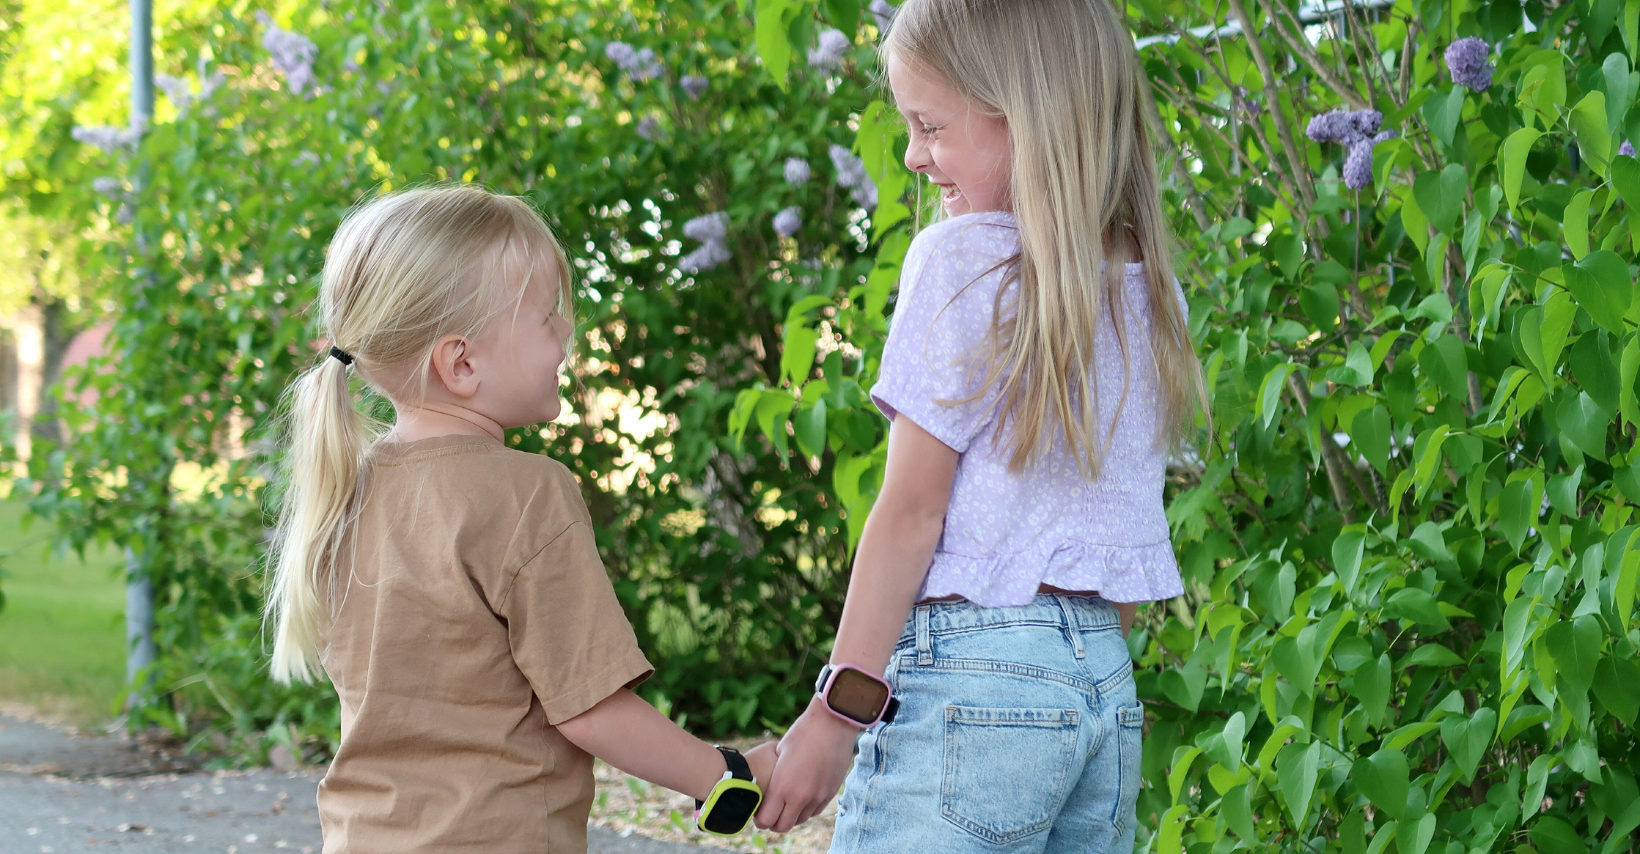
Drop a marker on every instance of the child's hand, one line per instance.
(762, 758)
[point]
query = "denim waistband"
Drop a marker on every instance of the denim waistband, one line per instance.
(1057, 609)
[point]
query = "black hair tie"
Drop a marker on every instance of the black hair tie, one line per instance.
(341, 355)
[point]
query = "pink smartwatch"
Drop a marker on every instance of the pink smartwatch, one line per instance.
(855, 696)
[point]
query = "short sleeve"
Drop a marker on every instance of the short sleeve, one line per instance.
(934, 362)
(568, 633)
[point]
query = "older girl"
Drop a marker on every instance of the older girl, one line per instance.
(1037, 368)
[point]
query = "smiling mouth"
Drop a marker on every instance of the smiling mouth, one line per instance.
(949, 192)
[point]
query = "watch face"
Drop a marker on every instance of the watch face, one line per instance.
(734, 807)
(857, 696)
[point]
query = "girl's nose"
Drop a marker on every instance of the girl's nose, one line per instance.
(916, 154)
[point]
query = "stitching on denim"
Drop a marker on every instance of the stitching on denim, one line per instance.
(981, 666)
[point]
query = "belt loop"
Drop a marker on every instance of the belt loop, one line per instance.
(1073, 629)
(925, 644)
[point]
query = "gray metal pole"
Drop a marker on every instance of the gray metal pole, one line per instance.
(139, 591)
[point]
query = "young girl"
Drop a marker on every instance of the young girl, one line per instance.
(448, 585)
(1037, 368)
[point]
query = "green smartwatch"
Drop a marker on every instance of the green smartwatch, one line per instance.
(732, 801)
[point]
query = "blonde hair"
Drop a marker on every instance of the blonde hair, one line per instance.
(403, 271)
(1065, 77)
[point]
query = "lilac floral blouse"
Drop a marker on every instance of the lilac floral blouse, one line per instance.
(1006, 533)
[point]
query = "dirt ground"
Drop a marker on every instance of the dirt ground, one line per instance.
(64, 792)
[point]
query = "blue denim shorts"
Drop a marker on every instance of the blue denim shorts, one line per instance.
(1019, 730)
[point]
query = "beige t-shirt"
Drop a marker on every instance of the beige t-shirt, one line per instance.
(475, 617)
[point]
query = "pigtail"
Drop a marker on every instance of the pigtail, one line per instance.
(329, 438)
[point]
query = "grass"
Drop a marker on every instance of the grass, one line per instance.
(62, 631)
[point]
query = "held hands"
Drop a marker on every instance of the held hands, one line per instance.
(762, 758)
(813, 758)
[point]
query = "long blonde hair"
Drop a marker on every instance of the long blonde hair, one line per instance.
(403, 271)
(1065, 77)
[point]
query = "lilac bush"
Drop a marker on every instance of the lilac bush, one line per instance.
(694, 85)
(883, 12)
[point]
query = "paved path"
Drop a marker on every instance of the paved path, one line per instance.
(61, 793)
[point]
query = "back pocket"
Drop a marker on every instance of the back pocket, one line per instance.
(1006, 769)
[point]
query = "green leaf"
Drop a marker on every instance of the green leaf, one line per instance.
(1576, 223)
(1575, 647)
(1603, 286)
(1447, 364)
(1543, 331)
(1269, 395)
(797, 353)
(1537, 778)
(1370, 433)
(1625, 176)
(1422, 833)
(1617, 687)
(773, 45)
(1512, 161)
(1357, 367)
(1619, 90)
(1238, 814)
(1296, 771)
(1554, 836)
(1417, 605)
(1320, 304)
(1371, 686)
(1588, 121)
(1346, 554)
(1468, 736)
(1596, 367)
(1563, 491)
(1426, 450)
(810, 429)
(1582, 421)
(1443, 111)
(1440, 196)
(1385, 779)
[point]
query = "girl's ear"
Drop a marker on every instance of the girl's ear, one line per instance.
(453, 365)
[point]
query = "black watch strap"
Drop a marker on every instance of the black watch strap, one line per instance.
(739, 768)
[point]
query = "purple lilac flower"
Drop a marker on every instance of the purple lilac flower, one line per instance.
(1627, 148)
(1356, 129)
(293, 54)
(883, 12)
(851, 170)
(106, 186)
(712, 230)
(175, 89)
(1466, 60)
(788, 221)
(639, 63)
(828, 53)
(694, 85)
(110, 139)
(851, 174)
(649, 128)
(797, 171)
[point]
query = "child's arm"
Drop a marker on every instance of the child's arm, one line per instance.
(895, 551)
(631, 735)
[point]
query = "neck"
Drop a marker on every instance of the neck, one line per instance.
(443, 419)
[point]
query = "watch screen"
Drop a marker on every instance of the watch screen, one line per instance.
(858, 696)
(733, 809)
